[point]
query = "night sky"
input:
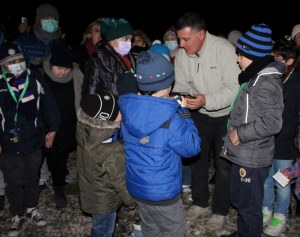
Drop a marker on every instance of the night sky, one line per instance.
(155, 19)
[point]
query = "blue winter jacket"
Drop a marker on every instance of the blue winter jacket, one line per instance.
(155, 138)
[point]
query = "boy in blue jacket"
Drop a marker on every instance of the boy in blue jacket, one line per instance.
(157, 132)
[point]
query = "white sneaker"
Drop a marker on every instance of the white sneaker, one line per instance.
(195, 211)
(276, 226)
(16, 226)
(267, 216)
(35, 217)
(216, 222)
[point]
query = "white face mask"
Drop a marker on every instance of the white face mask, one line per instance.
(172, 44)
(17, 69)
(123, 48)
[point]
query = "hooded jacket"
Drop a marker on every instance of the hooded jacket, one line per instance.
(155, 138)
(100, 166)
(257, 115)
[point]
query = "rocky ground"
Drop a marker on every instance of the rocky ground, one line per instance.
(71, 222)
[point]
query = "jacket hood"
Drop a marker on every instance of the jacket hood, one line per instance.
(148, 112)
(90, 132)
(274, 67)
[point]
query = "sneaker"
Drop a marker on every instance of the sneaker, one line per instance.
(216, 222)
(16, 226)
(2, 204)
(36, 218)
(267, 216)
(195, 211)
(186, 197)
(276, 226)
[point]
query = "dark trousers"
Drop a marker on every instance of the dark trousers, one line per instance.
(211, 131)
(246, 194)
(21, 174)
(57, 164)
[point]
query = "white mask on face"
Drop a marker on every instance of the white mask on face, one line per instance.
(123, 48)
(172, 44)
(17, 69)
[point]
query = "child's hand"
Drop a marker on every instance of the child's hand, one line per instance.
(233, 136)
(180, 100)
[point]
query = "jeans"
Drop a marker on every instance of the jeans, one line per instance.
(272, 188)
(186, 173)
(103, 224)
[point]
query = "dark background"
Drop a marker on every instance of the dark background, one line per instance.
(155, 19)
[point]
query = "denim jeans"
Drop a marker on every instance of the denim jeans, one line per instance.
(272, 188)
(186, 175)
(103, 224)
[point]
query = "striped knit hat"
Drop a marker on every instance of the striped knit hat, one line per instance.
(255, 43)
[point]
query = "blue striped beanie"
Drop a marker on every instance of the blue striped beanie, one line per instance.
(255, 43)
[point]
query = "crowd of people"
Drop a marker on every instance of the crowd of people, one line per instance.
(146, 119)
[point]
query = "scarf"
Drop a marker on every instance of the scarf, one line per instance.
(46, 36)
(255, 67)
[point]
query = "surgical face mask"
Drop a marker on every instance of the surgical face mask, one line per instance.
(123, 48)
(17, 69)
(172, 44)
(50, 25)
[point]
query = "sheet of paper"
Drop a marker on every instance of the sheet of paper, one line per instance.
(281, 178)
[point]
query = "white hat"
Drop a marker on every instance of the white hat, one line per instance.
(233, 36)
(296, 30)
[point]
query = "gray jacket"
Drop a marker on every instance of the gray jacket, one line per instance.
(257, 115)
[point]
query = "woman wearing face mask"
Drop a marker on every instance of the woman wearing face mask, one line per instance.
(111, 58)
(170, 40)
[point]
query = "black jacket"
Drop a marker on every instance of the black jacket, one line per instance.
(285, 148)
(103, 69)
(37, 114)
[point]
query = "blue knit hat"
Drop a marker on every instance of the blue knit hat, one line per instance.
(255, 43)
(161, 49)
(112, 28)
(153, 71)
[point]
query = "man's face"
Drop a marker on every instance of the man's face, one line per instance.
(191, 40)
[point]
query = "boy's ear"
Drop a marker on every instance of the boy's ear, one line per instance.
(290, 61)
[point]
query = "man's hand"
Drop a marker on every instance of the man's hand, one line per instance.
(196, 103)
